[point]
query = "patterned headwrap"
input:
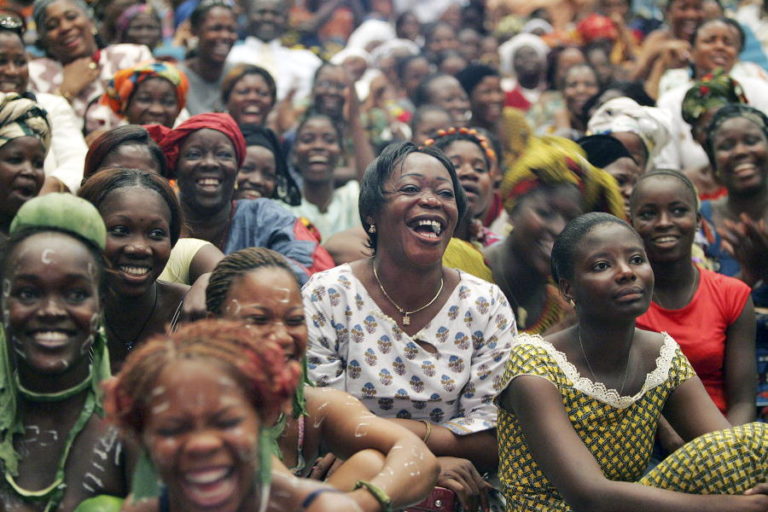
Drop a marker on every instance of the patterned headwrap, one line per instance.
(121, 87)
(286, 189)
(651, 124)
(75, 215)
(729, 112)
(596, 26)
(173, 140)
(462, 133)
(22, 117)
(125, 19)
(551, 161)
(712, 91)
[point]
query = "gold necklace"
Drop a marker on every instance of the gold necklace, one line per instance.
(402, 311)
(589, 366)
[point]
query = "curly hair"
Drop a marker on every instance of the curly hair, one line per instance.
(258, 366)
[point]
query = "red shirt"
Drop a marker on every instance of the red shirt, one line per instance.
(700, 327)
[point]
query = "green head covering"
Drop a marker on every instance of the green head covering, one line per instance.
(65, 212)
(714, 90)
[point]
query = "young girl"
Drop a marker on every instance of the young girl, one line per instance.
(578, 417)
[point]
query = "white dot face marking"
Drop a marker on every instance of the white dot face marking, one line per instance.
(48, 256)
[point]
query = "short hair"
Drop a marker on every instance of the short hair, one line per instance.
(422, 111)
(201, 11)
(402, 63)
(314, 114)
(564, 249)
(258, 366)
(238, 264)
(378, 172)
(728, 21)
(96, 189)
(109, 141)
(423, 94)
(240, 71)
(664, 173)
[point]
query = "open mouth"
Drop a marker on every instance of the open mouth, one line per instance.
(428, 228)
(208, 184)
(745, 170)
(51, 339)
(209, 487)
(71, 42)
(252, 111)
(665, 241)
(25, 191)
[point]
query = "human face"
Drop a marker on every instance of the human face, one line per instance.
(684, 16)
(216, 34)
(138, 238)
(469, 44)
(580, 86)
(634, 145)
(14, 73)
(409, 27)
(626, 172)
(740, 149)
(717, 45)
(69, 32)
(601, 62)
(206, 170)
(21, 173)
(202, 433)
(487, 101)
(538, 219)
(317, 150)
(51, 304)
(131, 156)
(447, 92)
(153, 102)
(527, 62)
(429, 124)
(612, 278)
(329, 91)
(258, 175)
(268, 19)
(269, 300)
(489, 51)
(144, 29)
(664, 215)
(251, 100)
(416, 71)
(420, 214)
(569, 58)
(474, 175)
(443, 38)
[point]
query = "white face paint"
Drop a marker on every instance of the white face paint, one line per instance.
(232, 308)
(48, 256)
(282, 295)
(361, 430)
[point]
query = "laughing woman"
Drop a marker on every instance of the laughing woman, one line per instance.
(143, 220)
(416, 342)
(55, 448)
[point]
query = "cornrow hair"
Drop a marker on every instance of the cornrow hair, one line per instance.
(446, 137)
(661, 173)
(258, 366)
(235, 265)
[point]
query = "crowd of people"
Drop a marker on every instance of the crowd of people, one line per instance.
(377, 255)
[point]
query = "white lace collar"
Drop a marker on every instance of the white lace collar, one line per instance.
(597, 390)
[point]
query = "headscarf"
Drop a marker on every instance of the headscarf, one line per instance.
(603, 150)
(286, 189)
(729, 112)
(651, 124)
(22, 117)
(339, 58)
(596, 26)
(550, 161)
(125, 19)
(391, 46)
(508, 50)
(123, 85)
(531, 26)
(713, 90)
(40, 6)
(173, 140)
(74, 215)
(472, 75)
(369, 32)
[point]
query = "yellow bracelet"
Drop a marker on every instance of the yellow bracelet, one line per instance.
(429, 430)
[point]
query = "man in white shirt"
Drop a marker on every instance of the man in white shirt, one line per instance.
(291, 68)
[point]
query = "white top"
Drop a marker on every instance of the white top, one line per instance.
(291, 68)
(66, 157)
(355, 347)
(341, 214)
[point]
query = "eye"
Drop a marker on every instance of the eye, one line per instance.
(637, 259)
(679, 211)
(170, 431)
(193, 154)
(446, 193)
(409, 189)
(158, 234)
(645, 215)
(296, 321)
(26, 293)
(600, 266)
(169, 102)
(78, 295)
(228, 423)
(118, 231)
(257, 319)
(225, 154)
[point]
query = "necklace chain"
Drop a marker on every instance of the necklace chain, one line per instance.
(130, 342)
(589, 366)
(402, 311)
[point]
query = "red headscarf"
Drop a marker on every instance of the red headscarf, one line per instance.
(596, 26)
(172, 141)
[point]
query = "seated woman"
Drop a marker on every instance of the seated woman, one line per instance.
(143, 220)
(258, 286)
(710, 315)
(444, 91)
(204, 153)
(580, 409)
(25, 136)
(609, 154)
(139, 24)
(129, 146)
(264, 172)
(580, 83)
(248, 93)
(150, 93)
(56, 450)
(550, 185)
(199, 401)
(415, 341)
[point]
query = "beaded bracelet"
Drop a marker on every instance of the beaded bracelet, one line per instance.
(381, 496)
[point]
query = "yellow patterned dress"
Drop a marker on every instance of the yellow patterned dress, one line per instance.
(619, 431)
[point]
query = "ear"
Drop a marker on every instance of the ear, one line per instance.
(565, 289)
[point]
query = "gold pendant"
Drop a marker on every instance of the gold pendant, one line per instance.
(406, 319)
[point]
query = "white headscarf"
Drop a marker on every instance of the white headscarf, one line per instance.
(371, 31)
(507, 50)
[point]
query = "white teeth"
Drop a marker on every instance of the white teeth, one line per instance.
(51, 335)
(134, 271)
(207, 476)
(436, 228)
(208, 181)
(665, 239)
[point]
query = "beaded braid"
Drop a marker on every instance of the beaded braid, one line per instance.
(235, 265)
(445, 137)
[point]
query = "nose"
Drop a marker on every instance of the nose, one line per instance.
(52, 308)
(624, 271)
(202, 443)
(138, 247)
(466, 172)
(557, 225)
(664, 220)
(280, 334)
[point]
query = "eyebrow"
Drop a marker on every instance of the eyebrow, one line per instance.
(419, 175)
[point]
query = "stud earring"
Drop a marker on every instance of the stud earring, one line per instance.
(372, 229)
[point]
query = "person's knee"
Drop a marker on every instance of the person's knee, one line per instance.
(363, 465)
